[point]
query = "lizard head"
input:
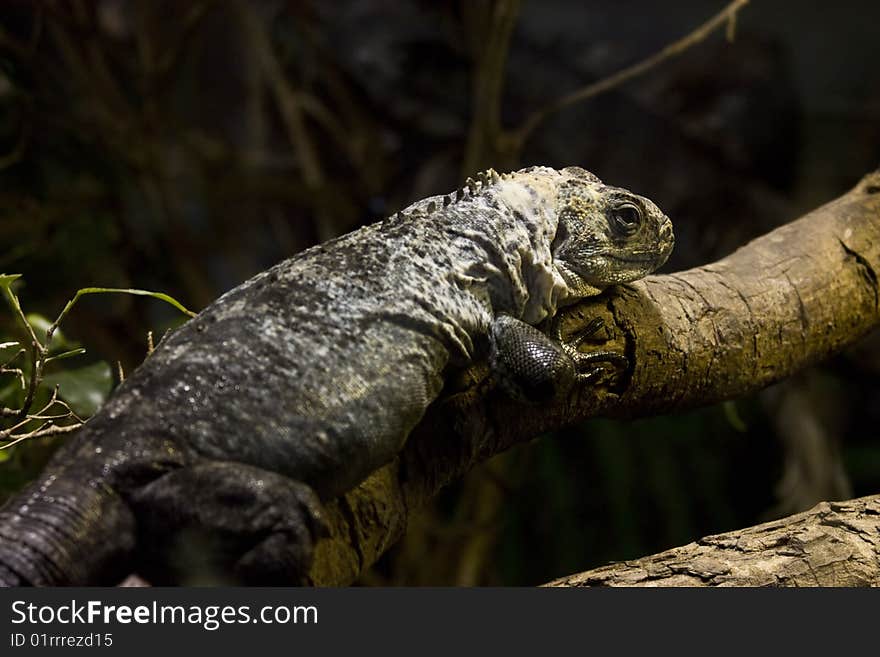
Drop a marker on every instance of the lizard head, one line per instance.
(606, 235)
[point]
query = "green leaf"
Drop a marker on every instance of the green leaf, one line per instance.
(6, 281)
(117, 290)
(85, 389)
(39, 323)
(66, 354)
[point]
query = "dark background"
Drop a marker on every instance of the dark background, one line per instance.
(184, 146)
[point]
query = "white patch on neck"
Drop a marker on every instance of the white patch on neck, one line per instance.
(515, 190)
(516, 196)
(545, 285)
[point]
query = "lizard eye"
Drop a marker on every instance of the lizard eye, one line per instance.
(626, 218)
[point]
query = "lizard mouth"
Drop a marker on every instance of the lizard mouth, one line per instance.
(635, 258)
(572, 278)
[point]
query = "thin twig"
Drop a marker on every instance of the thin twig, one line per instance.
(49, 427)
(12, 298)
(289, 104)
(43, 432)
(19, 374)
(38, 350)
(70, 411)
(40, 416)
(727, 16)
(291, 108)
(18, 354)
(36, 377)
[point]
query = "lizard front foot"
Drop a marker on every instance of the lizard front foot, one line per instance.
(534, 367)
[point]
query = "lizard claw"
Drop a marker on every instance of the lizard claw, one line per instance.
(612, 364)
(592, 328)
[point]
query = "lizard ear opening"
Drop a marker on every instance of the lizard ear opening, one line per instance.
(561, 237)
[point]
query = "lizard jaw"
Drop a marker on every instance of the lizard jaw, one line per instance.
(578, 287)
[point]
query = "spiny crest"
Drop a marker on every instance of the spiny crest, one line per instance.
(472, 187)
(483, 180)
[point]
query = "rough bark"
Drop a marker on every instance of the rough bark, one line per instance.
(832, 544)
(784, 301)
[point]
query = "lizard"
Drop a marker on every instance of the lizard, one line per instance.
(291, 388)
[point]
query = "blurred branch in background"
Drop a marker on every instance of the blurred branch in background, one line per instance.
(489, 144)
(808, 423)
(495, 20)
(725, 18)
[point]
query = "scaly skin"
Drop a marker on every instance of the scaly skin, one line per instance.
(297, 384)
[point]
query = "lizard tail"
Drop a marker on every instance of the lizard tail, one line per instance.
(62, 530)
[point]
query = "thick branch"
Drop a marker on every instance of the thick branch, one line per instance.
(832, 544)
(786, 300)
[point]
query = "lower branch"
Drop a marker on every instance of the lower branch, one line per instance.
(833, 544)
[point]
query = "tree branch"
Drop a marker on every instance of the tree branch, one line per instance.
(785, 301)
(832, 544)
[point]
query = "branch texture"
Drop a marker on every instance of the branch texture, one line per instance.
(832, 544)
(783, 302)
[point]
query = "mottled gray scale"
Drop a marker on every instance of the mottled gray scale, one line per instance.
(365, 325)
